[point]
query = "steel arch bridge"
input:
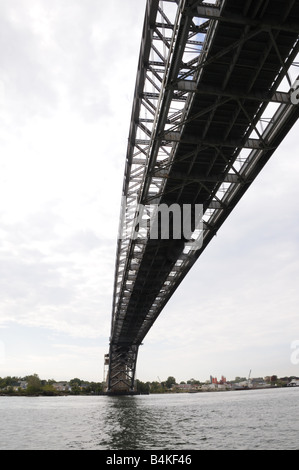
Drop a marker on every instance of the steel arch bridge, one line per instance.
(215, 96)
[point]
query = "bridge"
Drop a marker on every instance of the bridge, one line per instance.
(215, 96)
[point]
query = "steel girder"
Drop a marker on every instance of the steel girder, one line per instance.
(122, 365)
(202, 128)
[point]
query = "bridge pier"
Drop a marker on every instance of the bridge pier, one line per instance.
(115, 393)
(121, 373)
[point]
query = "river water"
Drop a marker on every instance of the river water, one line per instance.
(253, 419)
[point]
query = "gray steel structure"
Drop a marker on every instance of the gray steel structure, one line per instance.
(208, 113)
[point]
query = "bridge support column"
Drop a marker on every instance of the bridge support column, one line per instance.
(121, 372)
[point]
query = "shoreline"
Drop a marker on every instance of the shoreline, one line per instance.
(138, 394)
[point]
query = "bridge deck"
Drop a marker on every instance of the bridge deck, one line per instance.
(203, 143)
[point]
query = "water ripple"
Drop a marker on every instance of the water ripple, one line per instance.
(261, 419)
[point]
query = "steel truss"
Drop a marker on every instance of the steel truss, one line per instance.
(122, 365)
(207, 115)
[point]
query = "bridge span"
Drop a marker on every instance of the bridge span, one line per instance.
(215, 95)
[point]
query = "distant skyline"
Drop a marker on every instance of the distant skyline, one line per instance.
(67, 78)
(158, 379)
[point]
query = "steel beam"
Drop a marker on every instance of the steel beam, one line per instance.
(204, 89)
(191, 139)
(213, 13)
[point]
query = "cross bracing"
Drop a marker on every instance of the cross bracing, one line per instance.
(212, 103)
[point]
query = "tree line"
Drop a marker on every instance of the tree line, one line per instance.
(36, 386)
(170, 384)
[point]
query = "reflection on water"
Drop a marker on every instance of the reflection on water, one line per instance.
(263, 419)
(151, 422)
(128, 422)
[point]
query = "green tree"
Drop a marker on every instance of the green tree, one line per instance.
(193, 382)
(273, 379)
(51, 381)
(170, 382)
(75, 382)
(49, 390)
(34, 384)
(156, 387)
(142, 387)
(75, 386)
(94, 388)
(240, 379)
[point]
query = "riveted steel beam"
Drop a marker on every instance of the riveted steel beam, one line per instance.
(192, 86)
(192, 139)
(266, 25)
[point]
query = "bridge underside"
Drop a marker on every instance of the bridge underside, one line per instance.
(213, 117)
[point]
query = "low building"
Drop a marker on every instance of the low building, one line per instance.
(62, 386)
(20, 385)
(215, 385)
(294, 383)
(186, 387)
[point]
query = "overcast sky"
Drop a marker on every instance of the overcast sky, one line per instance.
(67, 77)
